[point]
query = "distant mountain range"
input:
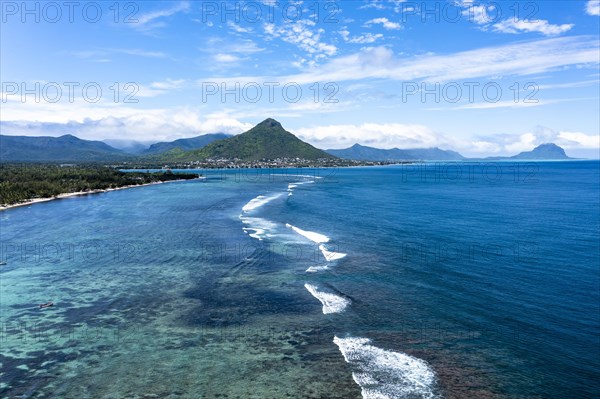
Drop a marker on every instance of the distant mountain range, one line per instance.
(65, 148)
(363, 153)
(267, 140)
(69, 148)
(548, 151)
(192, 143)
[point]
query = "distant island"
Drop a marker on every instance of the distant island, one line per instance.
(548, 151)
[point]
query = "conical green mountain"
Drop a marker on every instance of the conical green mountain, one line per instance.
(267, 140)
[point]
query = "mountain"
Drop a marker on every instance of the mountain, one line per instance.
(129, 146)
(267, 140)
(364, 153)
(543, 151)
(65, 148)
(192, 143)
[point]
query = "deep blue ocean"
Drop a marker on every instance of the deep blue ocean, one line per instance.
(453, 280)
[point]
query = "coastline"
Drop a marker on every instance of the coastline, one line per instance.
(80, 193)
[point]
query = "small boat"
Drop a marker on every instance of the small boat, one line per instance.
(3, 263)
(46, 305)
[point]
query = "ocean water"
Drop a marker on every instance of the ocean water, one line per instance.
(454, 280)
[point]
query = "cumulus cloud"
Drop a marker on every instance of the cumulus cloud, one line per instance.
(113, 121)
(592, 7)
(371, 134)
(386, 23)
(578, 140)
(155, 126)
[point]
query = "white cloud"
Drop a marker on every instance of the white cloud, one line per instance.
(523, 58)
(140, 53)
(366, 38)
(361, 39)
(513, 25)
(507, 104)
(593, 7)
(134, 124)
(391, 135)
(226, 58)
(304, 34)
(158, 88)
(514, 59)
(245, 46)
(230, 51)
(525, 142)
(237, 28)
(484, 147)
(578, 140)
(386, 23)
(148, 18)
(479, 14)
(485, 16)
(168, 84)
(509, 144)
(372, 134)
(376, 4)
(101, 54)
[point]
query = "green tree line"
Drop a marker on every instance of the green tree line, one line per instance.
(22, 182)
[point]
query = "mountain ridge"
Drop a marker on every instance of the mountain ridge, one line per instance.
(55, 149)
(186, 144)
(266, 140)
(365, 153)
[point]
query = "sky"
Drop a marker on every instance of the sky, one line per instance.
(481, 78)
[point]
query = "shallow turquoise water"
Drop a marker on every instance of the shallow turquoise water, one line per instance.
(468, 280)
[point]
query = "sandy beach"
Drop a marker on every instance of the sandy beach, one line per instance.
(76, 194)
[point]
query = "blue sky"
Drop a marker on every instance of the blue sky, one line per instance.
(482, 78)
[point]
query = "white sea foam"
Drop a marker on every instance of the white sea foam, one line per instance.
(311, 235)
(292, 186)
(331, 303)
(315, 269)
(331, 255)
(259, 201)
(258, 228)
(384, 374)
(303, 176)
